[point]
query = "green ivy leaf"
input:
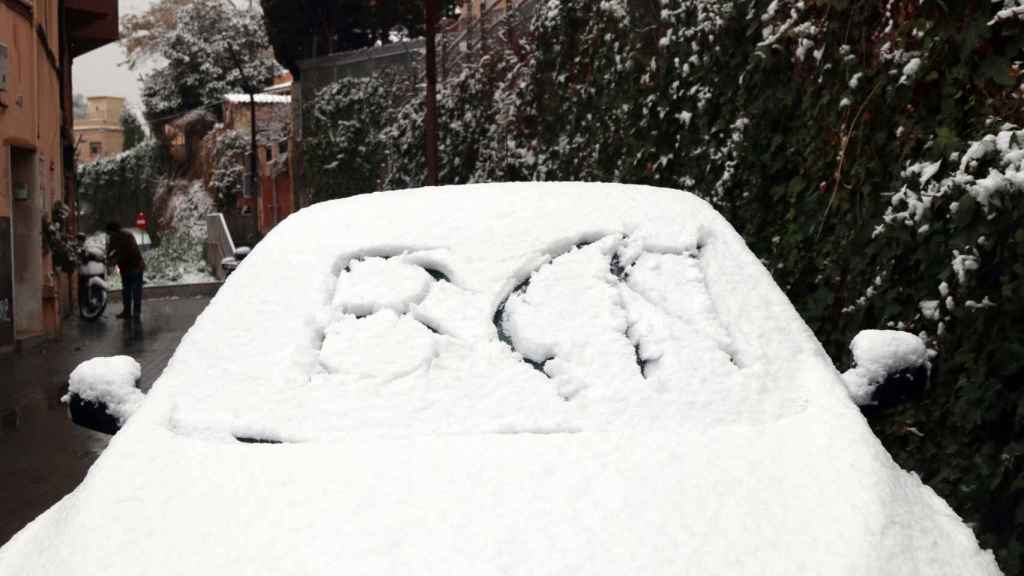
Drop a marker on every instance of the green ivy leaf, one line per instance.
(974, 32)
(797, 185)
(946, 140)
(965, 212)
(997, 69)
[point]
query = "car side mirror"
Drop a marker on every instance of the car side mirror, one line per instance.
(102, 395)
(890, 368)
(901, 387)
(92, 415)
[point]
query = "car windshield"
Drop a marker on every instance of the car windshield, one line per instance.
(547, 323)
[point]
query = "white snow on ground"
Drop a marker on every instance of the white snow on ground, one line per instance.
(109, 381)
(180, 258)
(601, 380)
(876, 355)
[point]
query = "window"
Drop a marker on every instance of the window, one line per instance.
(282, 147)
(95, 148)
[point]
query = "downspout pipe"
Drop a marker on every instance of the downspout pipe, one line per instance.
(35, 72)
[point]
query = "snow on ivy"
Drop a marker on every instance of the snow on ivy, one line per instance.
(1012, 10)
(990, 170)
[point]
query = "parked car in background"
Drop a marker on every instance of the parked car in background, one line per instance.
(499, 379)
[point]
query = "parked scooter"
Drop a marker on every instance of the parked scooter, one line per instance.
(93, 291)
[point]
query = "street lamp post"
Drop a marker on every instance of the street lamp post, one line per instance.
(253, 163)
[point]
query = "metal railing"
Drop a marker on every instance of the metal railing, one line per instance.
(219, 244)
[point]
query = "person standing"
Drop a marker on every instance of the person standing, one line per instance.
(124, 250)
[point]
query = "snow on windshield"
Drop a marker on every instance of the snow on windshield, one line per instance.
(513, 316)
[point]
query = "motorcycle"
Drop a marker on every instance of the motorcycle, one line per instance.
(93, 292)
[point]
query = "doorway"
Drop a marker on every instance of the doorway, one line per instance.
(26, 220)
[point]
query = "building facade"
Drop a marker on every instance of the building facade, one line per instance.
(474, 8)
(274, 200)
(38, 41)
(100, 134)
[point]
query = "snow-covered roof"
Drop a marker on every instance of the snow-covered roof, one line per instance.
(260, 98)
(499, 379)
(284, 87)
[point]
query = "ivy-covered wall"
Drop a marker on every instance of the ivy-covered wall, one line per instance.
(120, 187)
(870, 153)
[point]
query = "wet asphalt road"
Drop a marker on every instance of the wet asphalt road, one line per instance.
(43, 456)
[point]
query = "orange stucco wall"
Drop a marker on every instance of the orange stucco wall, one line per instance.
(107, 141)
(30, 121)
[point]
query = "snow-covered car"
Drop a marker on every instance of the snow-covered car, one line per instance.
(499, 379)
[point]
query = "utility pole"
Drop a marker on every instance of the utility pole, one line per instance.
(250, 88)
(249, 85)
(430, 122)
(253, 162)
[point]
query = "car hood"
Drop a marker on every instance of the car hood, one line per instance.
(814, 493)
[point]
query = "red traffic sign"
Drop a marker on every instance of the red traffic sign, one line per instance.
(140, 221)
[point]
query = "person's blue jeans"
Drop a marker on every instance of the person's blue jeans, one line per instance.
(132, 293)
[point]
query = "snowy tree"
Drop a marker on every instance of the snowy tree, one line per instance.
(133, 131)
(142, 34)
(207, 48)
(227, 150)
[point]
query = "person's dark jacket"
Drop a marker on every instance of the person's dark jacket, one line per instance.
(122, 249)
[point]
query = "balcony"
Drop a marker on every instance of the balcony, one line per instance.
(90, 24)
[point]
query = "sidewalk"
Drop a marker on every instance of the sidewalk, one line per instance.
(44, 456)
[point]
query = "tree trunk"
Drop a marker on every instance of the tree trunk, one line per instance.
(430, 122)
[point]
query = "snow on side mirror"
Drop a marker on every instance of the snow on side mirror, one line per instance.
(890, 368)
(101, 393)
